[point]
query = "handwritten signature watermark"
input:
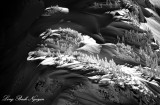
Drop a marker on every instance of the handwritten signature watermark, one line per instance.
(22, 98)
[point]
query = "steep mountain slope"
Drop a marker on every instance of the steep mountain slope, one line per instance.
(98, 52)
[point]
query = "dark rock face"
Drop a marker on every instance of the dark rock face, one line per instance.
(158, 10)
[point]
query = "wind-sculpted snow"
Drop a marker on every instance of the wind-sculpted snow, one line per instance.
(84, 78)
(154, 26)
(155, 3)
(98, 52)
